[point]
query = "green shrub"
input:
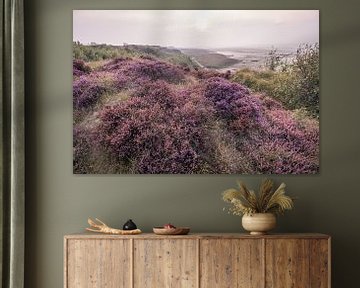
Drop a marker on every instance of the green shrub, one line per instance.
(260, 81)
(273, 60)
(98, 52)
(296, 85)
(307, 67)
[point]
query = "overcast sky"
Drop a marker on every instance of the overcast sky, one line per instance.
(198, 28)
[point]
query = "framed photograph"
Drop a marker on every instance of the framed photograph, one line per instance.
(196, 91)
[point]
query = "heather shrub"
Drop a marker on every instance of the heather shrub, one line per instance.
(158, 93)
(249, 115)
(273, 157)
(154, 70)
(284, 126)
(283, 145)
(115, 64)
(87, 89)
(81, 150)
(145, 68)
(104, 78)
(234, 103)
(155, 136)
(89, 96)
(170, 55)
(269, 102)
(80, 68)
(224, 95)
(122, 81)
(79, 86)
(86, 92)
(151, 116)
(88, 156)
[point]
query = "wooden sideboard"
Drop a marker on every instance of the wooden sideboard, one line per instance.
(197, 260)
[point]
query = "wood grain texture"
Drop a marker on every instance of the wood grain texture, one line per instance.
(231, 263)
(287, 263)
(165, 263)
(197, 260)
(319, 263)
(98, 264)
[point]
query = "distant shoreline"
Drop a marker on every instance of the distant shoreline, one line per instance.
(221, 59)
(233, 58)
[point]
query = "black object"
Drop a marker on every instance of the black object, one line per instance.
(129, 225)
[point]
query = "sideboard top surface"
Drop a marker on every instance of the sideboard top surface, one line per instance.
(86, 235)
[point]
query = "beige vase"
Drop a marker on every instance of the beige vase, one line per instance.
(259, 223)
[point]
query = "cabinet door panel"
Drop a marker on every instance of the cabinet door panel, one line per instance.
(319, 263)
(166, 263)
(98, 264)
(287, 263)
(231, 263)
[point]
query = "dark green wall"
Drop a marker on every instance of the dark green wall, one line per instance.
(59, 202)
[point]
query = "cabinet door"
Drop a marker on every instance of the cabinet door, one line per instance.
(98, 263)
(231, 263)
(320, 263)
(165, 263)
(287, 263)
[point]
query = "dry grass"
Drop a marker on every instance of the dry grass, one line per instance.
(267, 200)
